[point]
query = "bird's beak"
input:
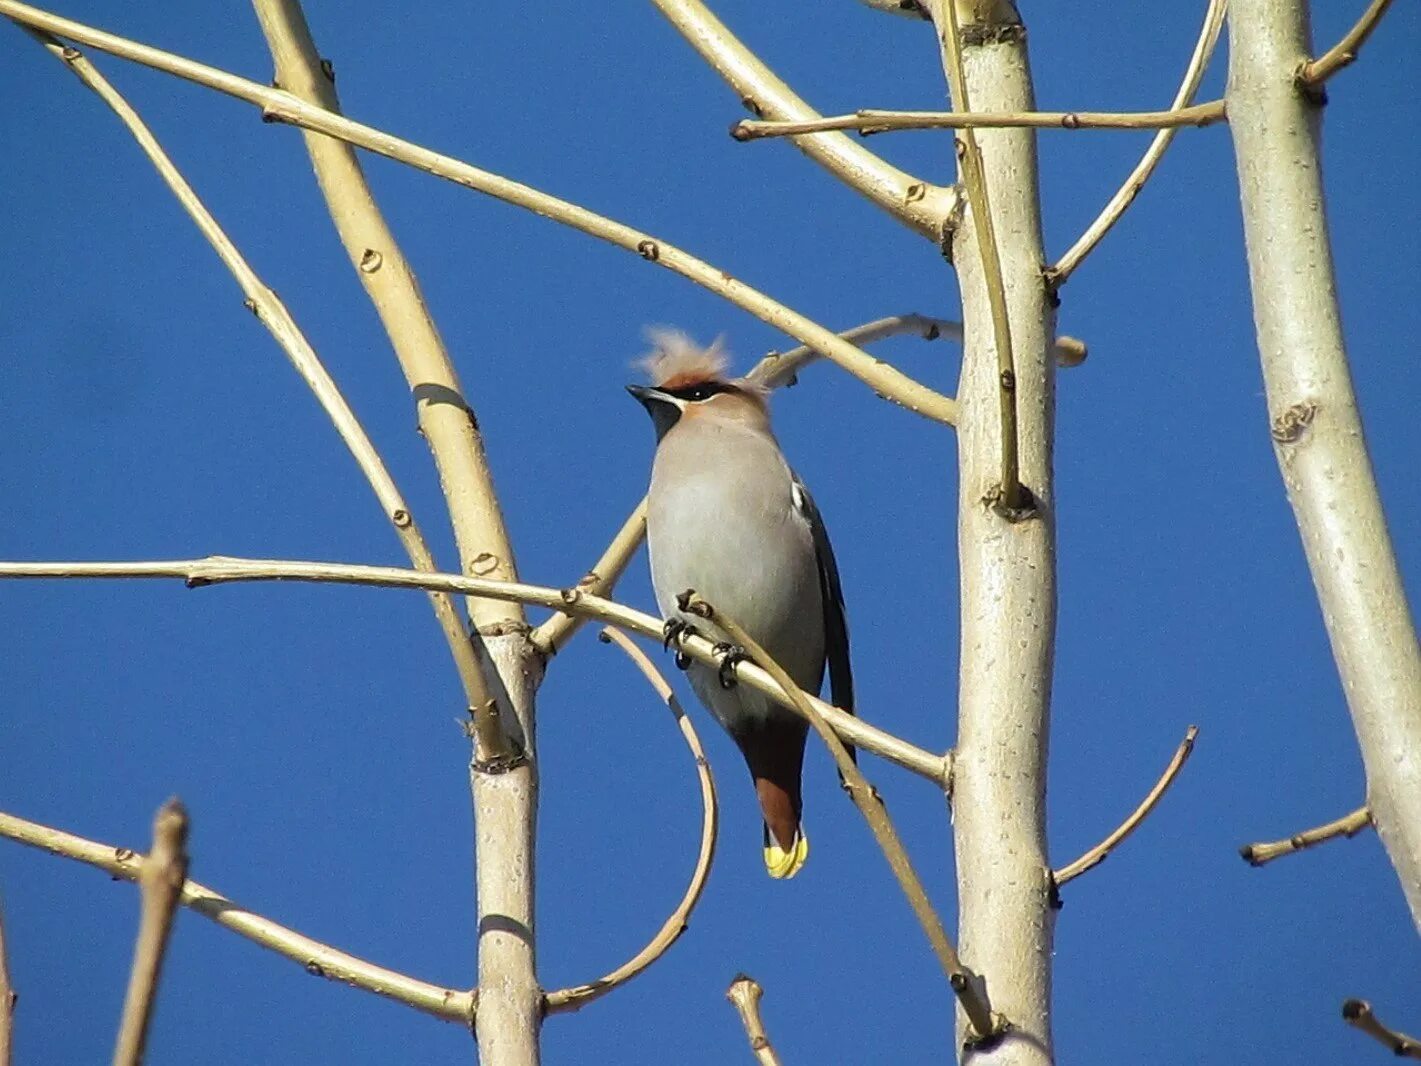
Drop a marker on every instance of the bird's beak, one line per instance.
(647, 396)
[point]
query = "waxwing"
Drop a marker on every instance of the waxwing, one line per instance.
(728, 518)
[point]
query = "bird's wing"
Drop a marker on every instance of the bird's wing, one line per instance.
(831, 593)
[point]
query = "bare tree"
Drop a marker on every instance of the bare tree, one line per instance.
(988, 225)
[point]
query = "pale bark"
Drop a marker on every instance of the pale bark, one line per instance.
(1315, 425)
(1006, 921)
(505, 793)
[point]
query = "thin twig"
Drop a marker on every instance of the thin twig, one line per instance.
(8, 998)
(950, 35)
(1125, 195)
(160, 879)
(869, 121)
(774, 370)
(1358, 1014)
(744, 994)
(969, 989)
(280, 106)
(272, 313)
(1349, 825)
(319, 959)
(1344, 52)
(218, 569)
(925, 207)
(570, 999)
(1098, 854)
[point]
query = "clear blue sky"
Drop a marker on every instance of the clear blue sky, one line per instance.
(312, 731)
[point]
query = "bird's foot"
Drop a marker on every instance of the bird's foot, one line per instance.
(673, 632)
(731, 655)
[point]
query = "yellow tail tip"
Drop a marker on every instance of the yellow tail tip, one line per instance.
(782, 864)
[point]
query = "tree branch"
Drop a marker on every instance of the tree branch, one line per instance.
(503, 787)
(219, 569)
(1318, 437)
(160, 878)
(1349, 825)
(1007, 568)
(1012, 500)
(280, 106)
(1344, 53)
(570, 999)
(318, 959)
(1358, 1014)
(272, 313)
(968, 987)
(1125, 196)
(8, 998)
(1098, 854)
(929, 209)
(744, 994)
(869, 121)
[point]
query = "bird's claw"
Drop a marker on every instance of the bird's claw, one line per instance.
(673, 632)
(731, 656)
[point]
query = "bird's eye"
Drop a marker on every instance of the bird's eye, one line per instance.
(698, 393)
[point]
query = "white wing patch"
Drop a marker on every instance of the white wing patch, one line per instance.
(798, 499)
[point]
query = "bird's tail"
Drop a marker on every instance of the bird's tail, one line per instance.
(786, 846)
(781, 863)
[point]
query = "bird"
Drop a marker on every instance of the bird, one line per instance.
(728, 518)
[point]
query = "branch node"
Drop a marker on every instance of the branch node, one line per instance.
(648, 250)
(371, 261)
(1290, 426)
(1024, 510)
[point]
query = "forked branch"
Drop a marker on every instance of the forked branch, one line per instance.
(1343, 54)
(969, 989)
(1098, 854)
(927, 208)
(1358, 1014)
(319, 960)
(744, 995)
(1349, 825)
(570, 999)
(280, 106)
(160, 878)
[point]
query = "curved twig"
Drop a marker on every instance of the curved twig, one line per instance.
(1344, 52)
(869, 121)
(1098, 854)
(571, 999)
(1125, 195)
(1358, 1014)
(280, 106)
(969, 989)
(744, 995)
(272, 313)
(319, 959)
(1349, 825)
(925, 207)
(219, 569)
(161, 879)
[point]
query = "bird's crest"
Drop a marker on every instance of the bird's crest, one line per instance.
(676, 361)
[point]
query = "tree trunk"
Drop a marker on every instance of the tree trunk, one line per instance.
(1006, 921)
(1312, 411)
